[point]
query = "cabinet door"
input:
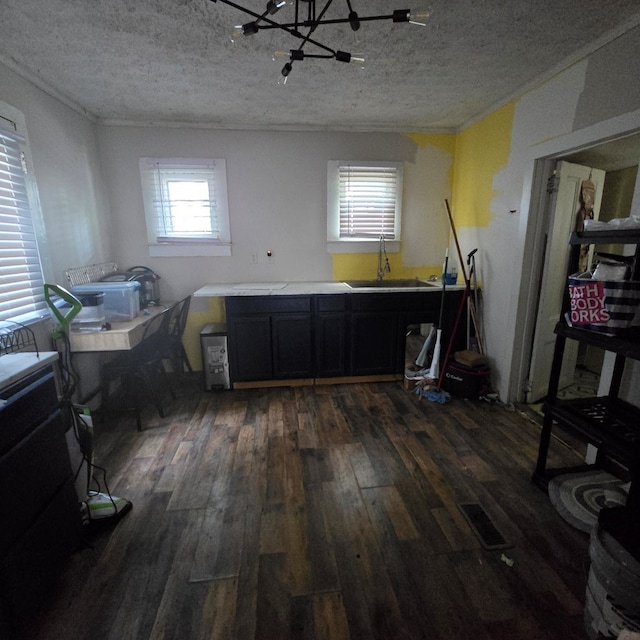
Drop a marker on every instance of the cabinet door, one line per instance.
(250, 348)
(331, 345)
(374, 343)
(292, 337)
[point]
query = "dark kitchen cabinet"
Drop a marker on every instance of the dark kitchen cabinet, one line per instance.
(249, 343)
(328, 335)
(331, 344)
(374, 342)
(379, 323)
(292, 336)
(39, 507)
(269, 337)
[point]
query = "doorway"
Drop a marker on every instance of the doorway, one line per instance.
(613, 167)
(563, 208)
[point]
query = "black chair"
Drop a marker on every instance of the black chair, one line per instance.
(140, 371)
(173, 349)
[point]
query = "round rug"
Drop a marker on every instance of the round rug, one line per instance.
(578, 497)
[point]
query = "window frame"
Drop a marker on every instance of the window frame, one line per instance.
(338, 244)
(155, 173)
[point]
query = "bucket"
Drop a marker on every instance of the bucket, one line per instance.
(612, 601)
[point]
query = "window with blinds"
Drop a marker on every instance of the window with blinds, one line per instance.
(364, 200)
(185, 201)
(21, 280)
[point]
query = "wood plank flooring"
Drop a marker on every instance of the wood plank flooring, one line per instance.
(326, 512)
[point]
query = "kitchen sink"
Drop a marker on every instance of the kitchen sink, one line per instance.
(412, 283)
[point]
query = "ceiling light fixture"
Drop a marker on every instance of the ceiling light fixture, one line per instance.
(306, 22)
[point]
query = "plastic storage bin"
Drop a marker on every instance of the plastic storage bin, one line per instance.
(92, 315)
(215, 360)
(121, 299)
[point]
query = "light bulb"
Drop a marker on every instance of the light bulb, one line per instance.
(240, 30)
(419, 18)
(280, 55)
(236, 33)
(358, 59)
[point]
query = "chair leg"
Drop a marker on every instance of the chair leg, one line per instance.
(153, 385)
(185, 358)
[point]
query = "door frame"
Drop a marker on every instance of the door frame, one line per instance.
(539, 165)
(556, 224)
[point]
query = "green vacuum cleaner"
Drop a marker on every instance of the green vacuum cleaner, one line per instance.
(97, 507)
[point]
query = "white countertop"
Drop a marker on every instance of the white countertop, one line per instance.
(14, 366)
(303, 288)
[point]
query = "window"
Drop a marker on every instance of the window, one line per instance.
(21, 280)
(363, 201)
(186, 208)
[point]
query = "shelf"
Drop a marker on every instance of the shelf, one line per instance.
(628, 346)
(607, 423)
(623, 236)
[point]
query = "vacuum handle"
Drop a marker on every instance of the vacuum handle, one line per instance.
(61, 292)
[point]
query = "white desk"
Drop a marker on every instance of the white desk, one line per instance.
(121, 337)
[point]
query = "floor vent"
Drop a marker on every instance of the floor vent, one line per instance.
(483, 526)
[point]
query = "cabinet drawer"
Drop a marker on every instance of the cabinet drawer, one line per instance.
(268, 304)
(28, 402)
(36, 561)
(30, 474)
(331, 303)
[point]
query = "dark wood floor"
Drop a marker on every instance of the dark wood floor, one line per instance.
(322, 512)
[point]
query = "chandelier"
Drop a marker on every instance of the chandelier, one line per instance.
(308, 16)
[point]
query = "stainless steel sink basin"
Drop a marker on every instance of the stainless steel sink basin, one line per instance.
(389, 284)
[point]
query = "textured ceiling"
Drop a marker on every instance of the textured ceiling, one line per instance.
(173, 61)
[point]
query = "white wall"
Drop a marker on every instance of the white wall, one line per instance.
(575, 109)
(72, 193)
(277, 189)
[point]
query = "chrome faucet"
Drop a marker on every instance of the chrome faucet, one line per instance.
(382, 251)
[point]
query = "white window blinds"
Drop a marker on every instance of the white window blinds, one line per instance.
(185, 200)
(21, 281)
(365, 200)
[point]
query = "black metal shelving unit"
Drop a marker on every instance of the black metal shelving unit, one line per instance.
(607, 422)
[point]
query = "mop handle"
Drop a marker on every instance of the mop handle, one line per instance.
(463, 301)
(455, 237)
(445, 265)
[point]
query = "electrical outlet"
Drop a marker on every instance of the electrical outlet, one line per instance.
(254, 257)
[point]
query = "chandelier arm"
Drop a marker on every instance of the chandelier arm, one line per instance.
(316, 21)
(313, 42)
(313, 27)
(259, 16)
(327, 56)
(319, 23)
